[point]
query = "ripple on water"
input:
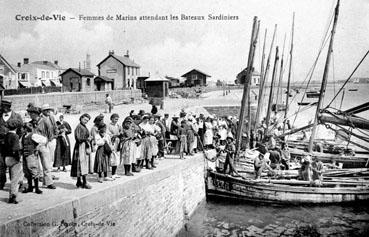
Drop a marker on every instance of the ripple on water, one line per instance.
(224, 218)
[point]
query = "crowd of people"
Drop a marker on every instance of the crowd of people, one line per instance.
(31, 148)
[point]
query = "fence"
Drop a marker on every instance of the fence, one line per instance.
(32, 90)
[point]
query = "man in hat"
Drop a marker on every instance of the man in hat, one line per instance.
(230, 149)
(40, 126)
(51, 129)
(6, 114)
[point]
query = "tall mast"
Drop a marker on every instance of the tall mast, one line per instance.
(265, 78)
(261, 85)
(325, 77)
(279, 90)
(271, 90)
(246, 89)
(249, 92)
(289, 75)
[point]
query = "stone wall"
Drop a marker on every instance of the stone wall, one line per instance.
(157, 203)
(57, 100)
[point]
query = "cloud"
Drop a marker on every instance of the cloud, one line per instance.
(211, 53)
(67, 42)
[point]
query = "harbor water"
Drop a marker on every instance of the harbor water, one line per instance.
(223, 217)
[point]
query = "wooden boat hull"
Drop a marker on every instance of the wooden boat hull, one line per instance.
(252, 190)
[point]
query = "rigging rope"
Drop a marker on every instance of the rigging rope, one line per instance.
(311, 71)
(347, 80)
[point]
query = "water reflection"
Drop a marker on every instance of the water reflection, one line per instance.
(221, 217)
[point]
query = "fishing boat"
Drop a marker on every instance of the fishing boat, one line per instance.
(285, 191)
(342, 186)
(312, 94)
(307, 103)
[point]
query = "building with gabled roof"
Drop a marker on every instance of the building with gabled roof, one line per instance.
(76, 79)
(241, 77)
(38, 73)
(195, 77)
(123, 70)
(8, 75)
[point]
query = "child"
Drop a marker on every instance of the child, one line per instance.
(30, 144)
(182, 137)
(103, 153)
(230, 148)
(12, 158)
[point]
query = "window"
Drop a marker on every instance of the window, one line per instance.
(113, 70)
(43, 74)
(52, 74)
(47, 75)
(194, 77)
(23, 76)
(88, 81)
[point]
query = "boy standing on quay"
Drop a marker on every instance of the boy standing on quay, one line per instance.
(12, 158)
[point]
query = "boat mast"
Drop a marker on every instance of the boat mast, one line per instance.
(289, 75)
(248, 131)
(271, 91)
(325, 77)
(246, 89)
(279, 90)
(263, 79)
(261, 84)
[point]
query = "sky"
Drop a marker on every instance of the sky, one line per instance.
(217, 47)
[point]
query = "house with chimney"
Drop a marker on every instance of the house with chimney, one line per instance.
(77, 79)
(38, 73)
(195, 77)
(241, 77)
(8, 75)
(121, 69)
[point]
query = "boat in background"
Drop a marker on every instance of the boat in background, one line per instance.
(307, 103)
(312, 94)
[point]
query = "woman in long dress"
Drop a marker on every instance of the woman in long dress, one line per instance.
(208, 136)
(80, 156)
(94, 130)
(62, 150)
(154, 141)
(146, 141)
(128, 142)
(114, 130)
(103, 152)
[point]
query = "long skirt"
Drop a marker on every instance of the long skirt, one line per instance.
(208, 137)
(146, 148)
(138, 152)
(128, 152)
(101, 161)
(155, 145)
(115, 159)
(80, 160)
(62, 152)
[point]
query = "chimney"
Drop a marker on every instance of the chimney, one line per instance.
(25, 60)
(111, 52)
(19, 64)
(56, 62)
(88, 62)
(127, 54)
(44, 62)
